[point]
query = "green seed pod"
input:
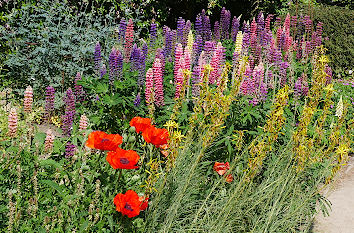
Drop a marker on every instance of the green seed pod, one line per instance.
(131, 139)
(132, 129)
(125, 137)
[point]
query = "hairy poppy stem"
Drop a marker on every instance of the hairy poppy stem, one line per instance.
(119, 175)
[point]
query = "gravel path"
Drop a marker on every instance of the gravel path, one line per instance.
(341, 195)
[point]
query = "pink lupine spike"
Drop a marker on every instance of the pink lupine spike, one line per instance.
(149, 84)
(187, 59)
(28, 99)
(158, 82)
(253, 26)
(287, 24)
(12, 123)
(129, 37)
(49, 140)
(178, 56)
(179, 83)
(83, 123)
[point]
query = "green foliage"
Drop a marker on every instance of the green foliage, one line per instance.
(338, 30)
(49, 43)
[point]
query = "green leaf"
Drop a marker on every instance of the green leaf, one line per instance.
(54, 186)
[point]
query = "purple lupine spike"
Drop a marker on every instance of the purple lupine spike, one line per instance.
(79, 91)
(196, 81)
(235, 27)
(168, 42)
(69, 115)
(112, 61)
(260, 28)
(294, 22)
(49, 101)
(283, 73)
(103, 71)
(186, 29)
(246, 27)
(197, 47)
(173, 41)
(216, 31)
(198, 26)
(119, 65)
(69, 150)
(319, 29)
(153, 34)
(98, 58)
(246, 41)
(308, 25)
(122, 29)
(207, 31)
(135, 58)
(180, 27)
(137, 100)
(208, 49)
(225, 17)
(298, 88)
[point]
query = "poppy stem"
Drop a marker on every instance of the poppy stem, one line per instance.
(119, 175)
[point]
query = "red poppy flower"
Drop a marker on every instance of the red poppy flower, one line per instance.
(128, 203)
(102, 141)
(144, 202)
(156, 136)
(122, 159)
(140, 123)
(229, 178)
(221, 168)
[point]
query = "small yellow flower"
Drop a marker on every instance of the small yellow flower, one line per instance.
(178, 136)
(171, 124)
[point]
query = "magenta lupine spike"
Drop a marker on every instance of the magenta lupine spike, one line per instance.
(287, 24)
(216, 31)
(258, 52)
(178, 56)
(308, 25)
(28, 99)
(158, 82)
(178, 83)
(277, 22)
(298, 88)
(187, 59)
(69, 150)
(78, 89)
(49, 101)
(253, 27)
(253, 43)
(12, 123)
(279, 33)
(149, 85)
(299, 49)
(216, 65)
(69, 116)
(201, 62)
(308, 48)
(235, 28)
(319, 29)
(196, 81)
(247, 83)
(294, 22)
(328, 71)
(98, 58)
(288, 43)
(129, 37)
(268, 21)
(122, 29)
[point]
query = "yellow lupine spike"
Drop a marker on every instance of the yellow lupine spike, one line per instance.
(190, 41)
